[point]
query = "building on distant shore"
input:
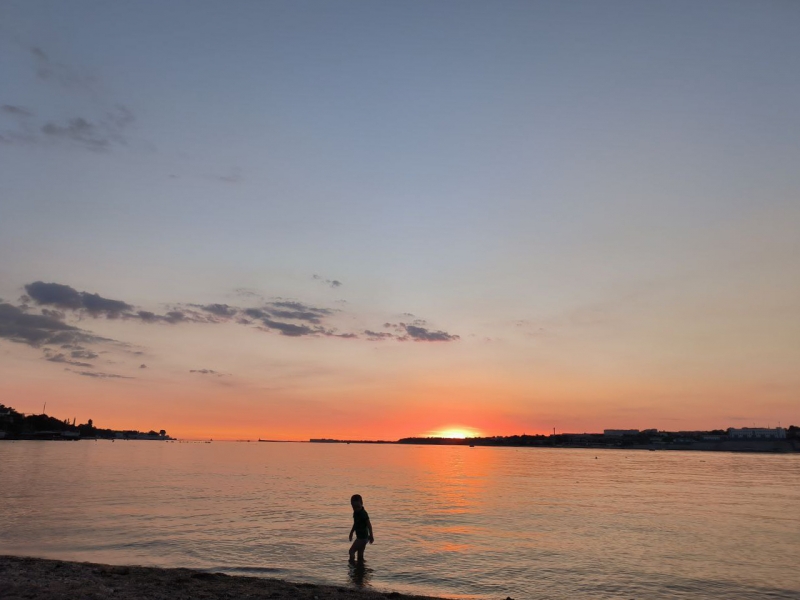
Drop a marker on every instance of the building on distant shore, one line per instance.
(619, 432)
(757, 433)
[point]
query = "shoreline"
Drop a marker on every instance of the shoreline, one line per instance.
(764, 447)
(47, 579)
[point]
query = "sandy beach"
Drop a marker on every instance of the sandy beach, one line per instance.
(39, 578)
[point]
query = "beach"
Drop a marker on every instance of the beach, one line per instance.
(39, 578)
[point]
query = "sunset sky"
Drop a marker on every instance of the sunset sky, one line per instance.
(382, 219)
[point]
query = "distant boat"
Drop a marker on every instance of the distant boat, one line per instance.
(260, 440)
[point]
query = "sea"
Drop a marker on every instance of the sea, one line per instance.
(453, 521)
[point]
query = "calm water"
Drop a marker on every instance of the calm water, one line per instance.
(481, 522)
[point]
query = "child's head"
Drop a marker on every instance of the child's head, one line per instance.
(356, 501)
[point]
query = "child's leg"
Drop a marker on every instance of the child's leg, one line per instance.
(361, 550)
(358, 547)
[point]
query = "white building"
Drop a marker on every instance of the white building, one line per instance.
(757, 433)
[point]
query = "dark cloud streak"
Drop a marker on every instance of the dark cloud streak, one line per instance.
(68, 298)
(289, 329)
(421, 334)
(35, 330)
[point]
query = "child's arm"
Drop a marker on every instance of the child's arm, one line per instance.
(371, 537)
(352, 530)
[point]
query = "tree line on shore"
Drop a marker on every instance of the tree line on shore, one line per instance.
(16, 424)
(641, 438)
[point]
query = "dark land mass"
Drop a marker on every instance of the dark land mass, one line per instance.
(42, 579)
(715, 440)
(18, 426)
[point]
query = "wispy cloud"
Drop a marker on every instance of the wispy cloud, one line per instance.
(221, 310)
(377, 336)
(16, 111)
(62, 358)
(99, 375)
(98, 135)
(421, 334)
(414, 331)
(60, 74)
(286, 317)
(334, 283)
(234, 176)
(105, 123)
(290, 329)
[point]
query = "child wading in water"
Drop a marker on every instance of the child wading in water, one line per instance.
(361, 527)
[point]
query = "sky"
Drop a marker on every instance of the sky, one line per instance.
(372, 220)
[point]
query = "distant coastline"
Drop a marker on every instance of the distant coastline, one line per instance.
(19, 426)
(777, 440)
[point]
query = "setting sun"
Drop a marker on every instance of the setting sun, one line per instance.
(455, 433)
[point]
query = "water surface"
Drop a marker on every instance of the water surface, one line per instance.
(448, 520)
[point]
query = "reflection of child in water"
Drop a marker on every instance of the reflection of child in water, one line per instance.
(361, 527)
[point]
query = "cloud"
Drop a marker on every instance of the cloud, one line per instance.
(35, 330)
(55, 294)
(98, 135)
(289, 329)
(221, 310)
(208, 372)
(98, 375)
(246, 293)
(56, 314)
(298, 315)
(61, 74)
(334, 283)
(147, 316)
(173, 316)
(105, 125)
(96, 304)
(61, 358)
(376, 336)
(416, 331)
(288, 317)
(16, 111)
(234, 176)
(291, 309)
(17, 325)
(66, 297)
(77, 130)
(420, 334)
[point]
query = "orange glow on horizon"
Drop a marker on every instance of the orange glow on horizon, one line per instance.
(454, 432)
